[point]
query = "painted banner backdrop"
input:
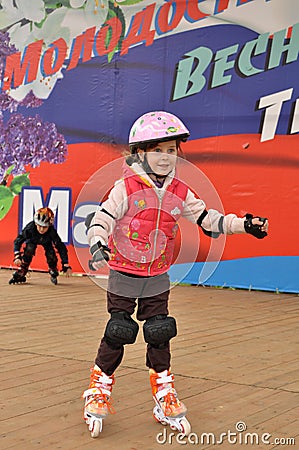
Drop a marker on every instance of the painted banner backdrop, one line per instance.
(76, 74)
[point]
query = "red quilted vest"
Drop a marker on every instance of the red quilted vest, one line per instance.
(143, 241)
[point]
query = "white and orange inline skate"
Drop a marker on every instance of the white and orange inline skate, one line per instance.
(168, 409)
(97, 400)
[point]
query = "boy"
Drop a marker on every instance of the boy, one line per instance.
(39, 232)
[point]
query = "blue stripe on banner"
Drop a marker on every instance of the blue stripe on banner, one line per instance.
(266, 273)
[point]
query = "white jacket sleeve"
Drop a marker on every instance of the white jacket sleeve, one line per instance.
(112, 209)
(211, 220)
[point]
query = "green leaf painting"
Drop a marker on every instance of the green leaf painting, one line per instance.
(6, 200)
(18, 182)
(8, 193)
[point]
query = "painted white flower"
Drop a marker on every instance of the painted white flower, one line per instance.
(261, 17)
(9, 14)
(77, 3)
(95, 6)
(15, 11)
(63, 22)
(21, 36)
(32, 10)
(93, 14)
(52, 28)
(41, 87)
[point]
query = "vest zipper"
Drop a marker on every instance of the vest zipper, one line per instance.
(156, 234)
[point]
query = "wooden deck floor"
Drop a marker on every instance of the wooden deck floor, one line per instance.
(235, 360)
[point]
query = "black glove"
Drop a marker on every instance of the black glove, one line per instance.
(99, 252)
(17, 257)
(65, 268)
(254, 229)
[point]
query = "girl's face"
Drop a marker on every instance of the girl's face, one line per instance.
(41, 230)
(161, 158)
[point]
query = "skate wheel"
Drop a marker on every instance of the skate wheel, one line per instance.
(185, 426)
(96, 428)
(162, 422)
(20, 281)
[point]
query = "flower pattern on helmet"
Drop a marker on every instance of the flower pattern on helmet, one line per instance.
(157, 125)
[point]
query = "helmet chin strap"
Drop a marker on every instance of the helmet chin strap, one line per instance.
(147, 168)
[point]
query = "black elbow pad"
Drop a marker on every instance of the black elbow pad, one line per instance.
(212, 234)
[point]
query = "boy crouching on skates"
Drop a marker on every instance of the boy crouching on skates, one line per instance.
(39, 232)
(134, 230)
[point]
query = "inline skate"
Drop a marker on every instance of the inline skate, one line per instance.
(168, 409)
(97, 400)
(53, 276)
(17, 278)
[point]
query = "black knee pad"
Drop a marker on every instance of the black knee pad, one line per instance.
(158, 330)
(52, 259)
(121, 329)
(29, 252)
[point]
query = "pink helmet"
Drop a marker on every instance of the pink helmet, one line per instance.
(157, 126)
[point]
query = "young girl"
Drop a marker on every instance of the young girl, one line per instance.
(39, 232)
(134, 230)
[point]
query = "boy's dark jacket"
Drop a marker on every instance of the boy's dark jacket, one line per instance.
(51, 237)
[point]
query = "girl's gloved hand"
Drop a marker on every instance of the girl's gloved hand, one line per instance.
(100, 256)
(257, 226)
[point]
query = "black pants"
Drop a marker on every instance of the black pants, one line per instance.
(29, 252)
(150, 294)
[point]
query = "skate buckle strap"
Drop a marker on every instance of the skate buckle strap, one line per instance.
(165, 379)
(100, 379)
(164, 392)
(96, 391)
(103, 379)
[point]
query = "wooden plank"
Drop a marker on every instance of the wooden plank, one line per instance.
(235, 358)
